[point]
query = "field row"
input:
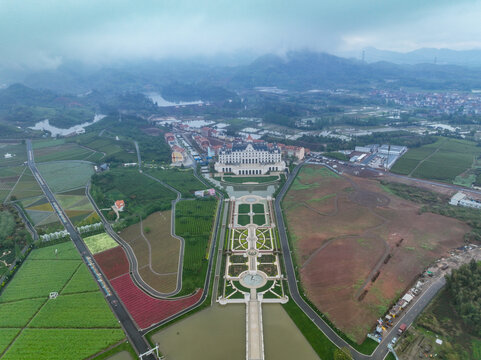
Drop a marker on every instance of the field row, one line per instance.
(33, 325)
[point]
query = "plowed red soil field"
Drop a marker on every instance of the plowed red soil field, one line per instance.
(344, 228)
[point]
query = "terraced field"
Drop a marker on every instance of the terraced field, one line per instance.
(34, 326)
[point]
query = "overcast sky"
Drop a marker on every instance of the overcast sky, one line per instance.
(43, 34)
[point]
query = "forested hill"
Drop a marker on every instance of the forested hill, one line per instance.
(302, 70)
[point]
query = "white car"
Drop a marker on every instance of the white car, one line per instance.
(393, 341)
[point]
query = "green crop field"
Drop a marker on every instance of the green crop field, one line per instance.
(75, 325)
(37, 278)
(44, 143)
(62, 176)
(443, 160)
(111, 150)
(18, 152)
(65, 251)
(182, 180)
(51, 344)
(194, 221)
(100, 242)
(63, 152)
(142, 195)
(17, 314)
(59, 314)
(81, 282)
(26, 187)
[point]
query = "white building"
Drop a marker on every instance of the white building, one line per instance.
(250, 159)
(460, 199)
(392, 150)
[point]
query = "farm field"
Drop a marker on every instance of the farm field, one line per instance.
(75, 204)
(32, 325)
(182, 180)
(26, 187)
(443, 160)
(8, 178)
(66, 175)
(65, 152)
(194, 221)
(156, 250)
(342, 230)
(18, 151)
(144, 309)
(110, 149)
(100, 242)
(142, 195)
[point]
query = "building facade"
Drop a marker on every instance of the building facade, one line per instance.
(250, 159)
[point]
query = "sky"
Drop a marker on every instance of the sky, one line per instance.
(43, 34)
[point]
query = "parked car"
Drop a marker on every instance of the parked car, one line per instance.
(393, 341)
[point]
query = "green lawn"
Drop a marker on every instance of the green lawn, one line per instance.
(258, 208)
(243, 220)
(256, 179)
(63, 176)
(244, 208)
(100, 242)
(259, 219)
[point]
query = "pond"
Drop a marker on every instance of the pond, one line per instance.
(219, 333)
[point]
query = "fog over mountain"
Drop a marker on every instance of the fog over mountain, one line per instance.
(44, 35)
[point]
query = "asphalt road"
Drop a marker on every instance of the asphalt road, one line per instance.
(408, 316)
(136, 339)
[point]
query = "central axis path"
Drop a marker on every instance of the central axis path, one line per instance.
(254, 336)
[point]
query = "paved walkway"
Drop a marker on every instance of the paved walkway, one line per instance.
(255, 341)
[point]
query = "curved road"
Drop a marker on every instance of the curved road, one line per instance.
(408, 317)
(135, 337)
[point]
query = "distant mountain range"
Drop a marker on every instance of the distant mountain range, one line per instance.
(470, 58)
(296, 71)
